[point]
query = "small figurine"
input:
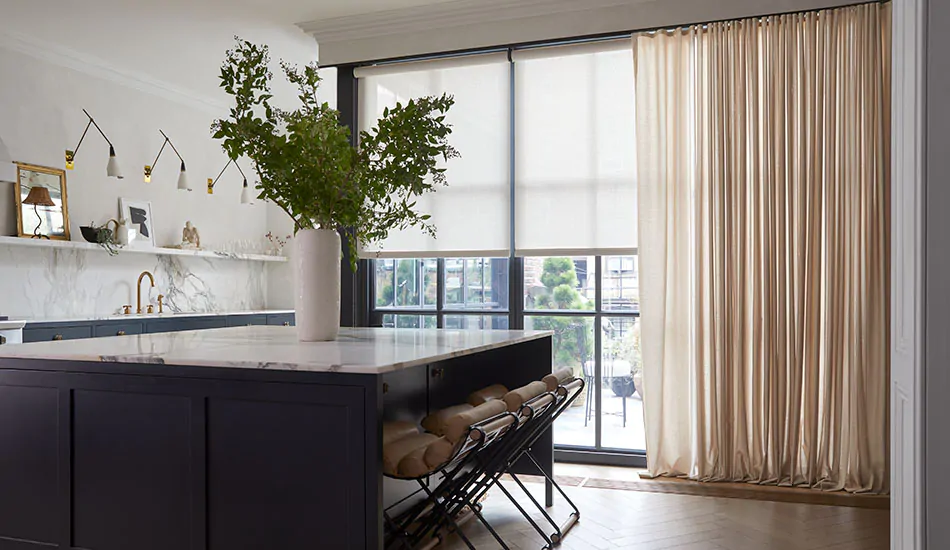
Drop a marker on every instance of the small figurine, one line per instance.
(190, 237)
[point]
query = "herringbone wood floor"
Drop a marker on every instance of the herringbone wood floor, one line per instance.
(612, 519)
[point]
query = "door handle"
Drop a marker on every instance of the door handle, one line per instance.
(58, 337)
(120, 333)
(3, 339)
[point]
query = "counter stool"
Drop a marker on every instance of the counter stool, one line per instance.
(458, 435)
(537, 406)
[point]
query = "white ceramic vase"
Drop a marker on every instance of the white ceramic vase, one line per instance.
(316, 261)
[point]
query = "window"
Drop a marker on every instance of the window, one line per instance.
(476, 283)
(561, 295)
(474, 293)
(575, 149)
(478, 190)
(408, 284)
(565, 115)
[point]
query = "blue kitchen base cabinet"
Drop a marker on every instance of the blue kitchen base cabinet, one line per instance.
(73, 330)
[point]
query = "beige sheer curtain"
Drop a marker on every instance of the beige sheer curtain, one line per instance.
(763, 152)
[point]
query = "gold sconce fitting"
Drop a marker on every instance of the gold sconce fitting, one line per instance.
(70, 159)
(148, 173)
(210, 186)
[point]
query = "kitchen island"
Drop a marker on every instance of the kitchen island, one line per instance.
(227, 439)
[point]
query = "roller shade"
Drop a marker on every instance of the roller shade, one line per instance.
(575, 150)
(472, 212)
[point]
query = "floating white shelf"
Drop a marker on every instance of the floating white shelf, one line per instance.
(81, 245)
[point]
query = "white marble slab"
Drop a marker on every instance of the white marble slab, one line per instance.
(157, 250)
(43, 283)
(11, 325)
(143, 317)
(357, 351)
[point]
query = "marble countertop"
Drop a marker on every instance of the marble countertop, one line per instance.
(356, 351)
(139, 317)
(11, 325)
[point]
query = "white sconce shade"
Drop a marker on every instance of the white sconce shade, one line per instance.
(183, 179)
(245, 194)
(112, 169)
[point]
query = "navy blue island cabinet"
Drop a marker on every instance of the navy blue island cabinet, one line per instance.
(234, 438)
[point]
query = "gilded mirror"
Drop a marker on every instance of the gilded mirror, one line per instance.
(41, 202)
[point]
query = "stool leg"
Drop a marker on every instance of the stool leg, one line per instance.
(588, 405)
(624, 412)
(449, 521)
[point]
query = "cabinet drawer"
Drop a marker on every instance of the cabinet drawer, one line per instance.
(286, 319)
(56, 333)
(194, 323)
(118, 329)
(246, 320)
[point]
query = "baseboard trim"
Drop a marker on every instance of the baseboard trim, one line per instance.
(600, 458)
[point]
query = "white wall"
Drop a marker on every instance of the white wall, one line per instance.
(41, 115)
(136, 69)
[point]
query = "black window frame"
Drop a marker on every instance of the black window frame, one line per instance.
(359, 289)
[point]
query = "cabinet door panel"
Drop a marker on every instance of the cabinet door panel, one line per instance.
(246, 320)
(118, 329)
(285, 319)
(49, 334)
(187, 323)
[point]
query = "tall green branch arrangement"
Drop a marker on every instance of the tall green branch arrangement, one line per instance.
(307, 165)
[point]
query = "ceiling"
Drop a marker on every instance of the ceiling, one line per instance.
(277, 11)
(298, 11)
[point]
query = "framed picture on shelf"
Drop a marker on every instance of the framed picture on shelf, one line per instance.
(138, 215)
(41, 202)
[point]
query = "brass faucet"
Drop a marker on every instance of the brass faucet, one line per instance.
(138, 290)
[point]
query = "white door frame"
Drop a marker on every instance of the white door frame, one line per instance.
(907, 275)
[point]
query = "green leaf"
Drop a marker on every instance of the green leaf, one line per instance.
(306, 164)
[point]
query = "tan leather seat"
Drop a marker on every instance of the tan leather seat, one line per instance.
(438, 452)
(558, 377)
(457, 426)
(436, 422)
(414, 464)
(396, 451)
(398, 430)
(410, 454)
(484, 395)
(517, 397)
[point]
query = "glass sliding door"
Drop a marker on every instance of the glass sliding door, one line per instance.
(592, 305)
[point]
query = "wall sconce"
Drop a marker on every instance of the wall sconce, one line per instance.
(245, 193)
(112, 168)
(182, 177)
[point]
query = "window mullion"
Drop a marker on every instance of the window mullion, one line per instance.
(440, 292)
(598, 347)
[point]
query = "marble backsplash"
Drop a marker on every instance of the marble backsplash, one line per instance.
(50, 283)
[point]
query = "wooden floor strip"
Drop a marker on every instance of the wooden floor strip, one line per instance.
(746, 491)
(646, 520)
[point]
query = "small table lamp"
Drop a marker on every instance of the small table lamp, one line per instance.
(39, 196)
